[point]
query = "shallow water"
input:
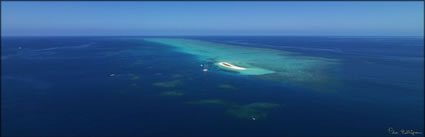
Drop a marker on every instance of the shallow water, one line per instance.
(269, 64)
(126, 86)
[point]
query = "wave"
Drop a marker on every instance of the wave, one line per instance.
(44, 53)
(68, 47)
(391, 58)
(287, 47)
(385, 57)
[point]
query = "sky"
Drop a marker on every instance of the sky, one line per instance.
(102, 18)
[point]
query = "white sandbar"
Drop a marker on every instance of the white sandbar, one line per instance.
(228, 65)
(269, 64)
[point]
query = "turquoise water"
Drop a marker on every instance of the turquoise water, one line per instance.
(156, 86)
(269, 64)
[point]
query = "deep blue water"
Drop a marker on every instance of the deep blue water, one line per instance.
(61, 86)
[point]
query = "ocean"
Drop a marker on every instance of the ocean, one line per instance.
(172, 86)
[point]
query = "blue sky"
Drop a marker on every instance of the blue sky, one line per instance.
(213, 18)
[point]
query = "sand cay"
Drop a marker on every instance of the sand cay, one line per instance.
(263, 63)
(228, 65)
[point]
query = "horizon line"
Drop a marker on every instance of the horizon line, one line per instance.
(210, 35)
